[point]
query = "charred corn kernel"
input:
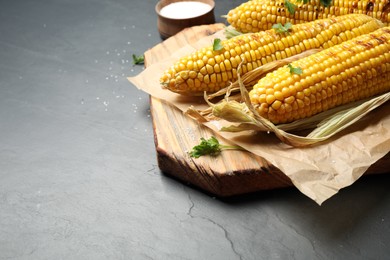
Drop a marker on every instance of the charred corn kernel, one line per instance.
(256, 49)
(264, 14)
(358, 69)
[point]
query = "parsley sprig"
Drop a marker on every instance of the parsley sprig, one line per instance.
(294, 70)
(210, 146)
(138, 59)
(279, 28)
(217, 45)
(326, 3)
(292, 7)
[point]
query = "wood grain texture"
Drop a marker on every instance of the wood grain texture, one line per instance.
(232, 172)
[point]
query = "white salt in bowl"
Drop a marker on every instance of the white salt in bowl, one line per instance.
(176, 15)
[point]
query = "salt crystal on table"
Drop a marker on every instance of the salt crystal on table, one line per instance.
(185, 9)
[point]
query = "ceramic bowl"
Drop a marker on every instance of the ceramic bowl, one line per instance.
(176, 21)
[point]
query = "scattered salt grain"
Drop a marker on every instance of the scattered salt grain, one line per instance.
(185, 9)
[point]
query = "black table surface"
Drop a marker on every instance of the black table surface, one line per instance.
(78, 172)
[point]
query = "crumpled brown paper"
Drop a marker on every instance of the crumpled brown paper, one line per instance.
(320, 171)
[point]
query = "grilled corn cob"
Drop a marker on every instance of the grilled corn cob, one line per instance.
(210, 70)
(351, 71)
(258, 15)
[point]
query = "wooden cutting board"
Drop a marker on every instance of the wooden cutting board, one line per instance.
(231, 173)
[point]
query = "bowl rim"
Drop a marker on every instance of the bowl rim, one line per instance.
(160, 5)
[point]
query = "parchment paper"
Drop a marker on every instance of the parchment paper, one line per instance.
(319, 172)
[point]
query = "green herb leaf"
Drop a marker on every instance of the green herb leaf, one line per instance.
(294, 70)
(217, 44)
(137, 60)
(279, 28)
(210, 146)
(326, 3)
(290, 6)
